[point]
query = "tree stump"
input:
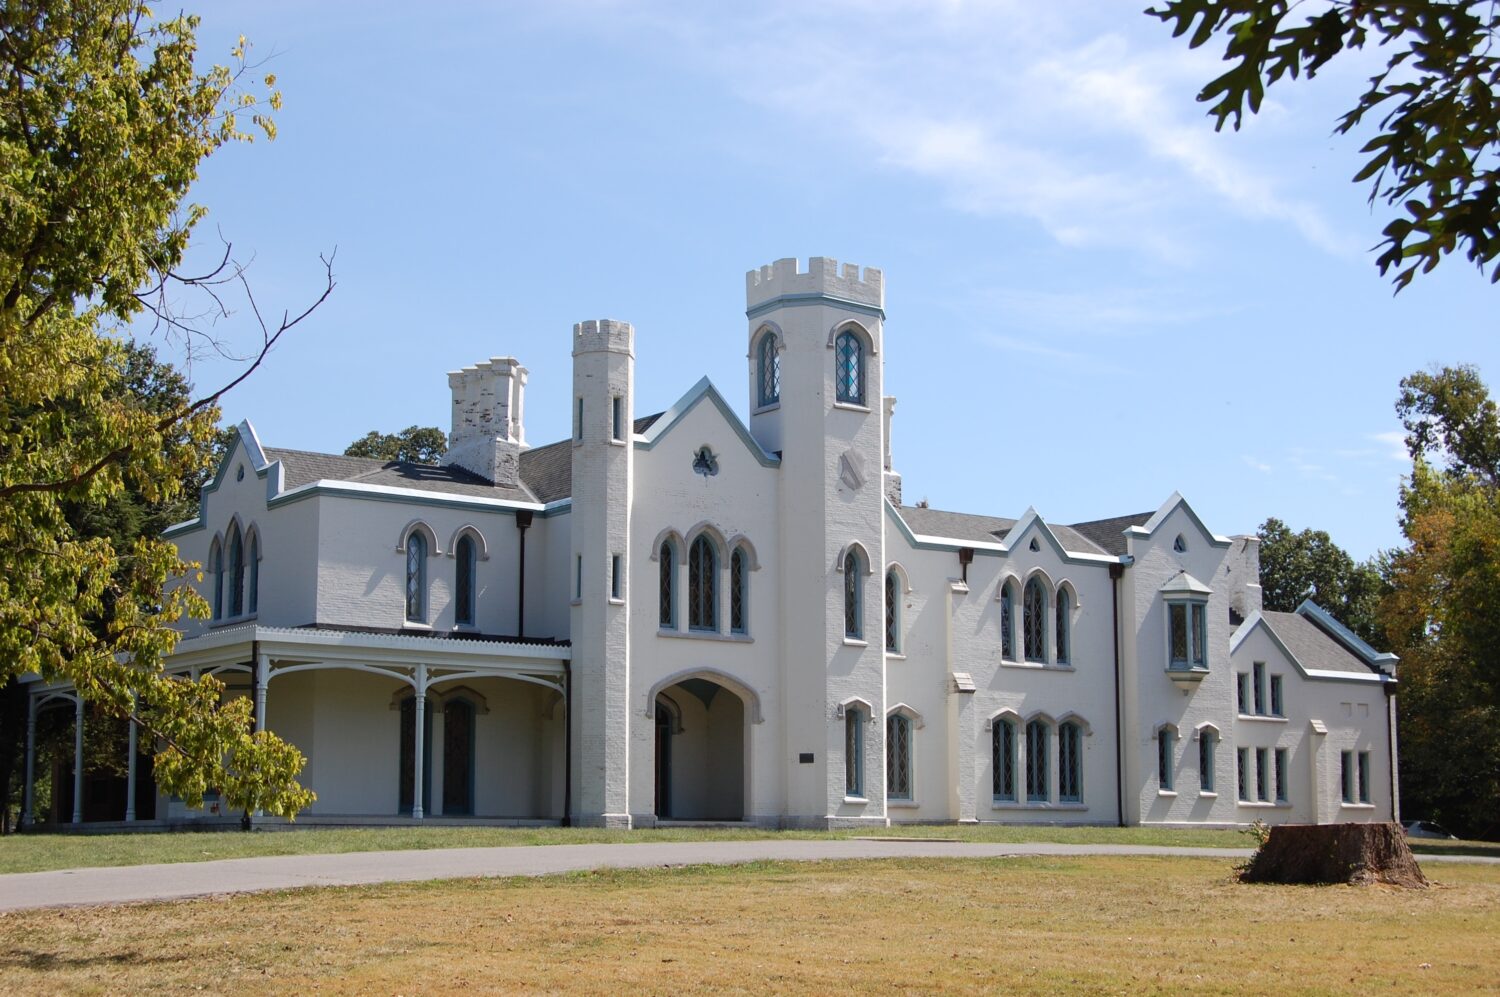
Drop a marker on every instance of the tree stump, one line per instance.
(1357, 854)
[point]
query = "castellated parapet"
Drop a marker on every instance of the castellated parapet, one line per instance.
(488, 431)
(823, 276)
(604, 335)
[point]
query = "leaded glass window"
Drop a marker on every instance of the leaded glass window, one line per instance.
(1165, 769)
(1200, 635)
(216, 568)
(849, 364)
(1036, 762)
(1242, 683)
(467, 558)
(1064, 644)
(738, 583)
(1258, 669)
(898, 757)
(1242, 769)
(703, 593)
(1177, 616)
(236, 571)
(1278, 704)
(1281, 791)
(1207, 742)
(1364, 777)
(770, 370)
(252, 568)
(1346, 774)
(1034, 621)
(854, 752)
(853, 590)
(1003, 759)
(1069, 763)
(1262, 774)
(1007, 622)
(667, 614)
(892, 612)
(416, 578)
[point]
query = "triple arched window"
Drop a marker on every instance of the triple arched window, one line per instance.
(849, 367)
(1028, 752)
(768, 367)
(235, 567)
(1042, 625)
(705, 557)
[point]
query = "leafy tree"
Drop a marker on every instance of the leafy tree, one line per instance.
(1436, 151)
(103, 124)
(1295, 566)
(1443, 613)
(413, 445)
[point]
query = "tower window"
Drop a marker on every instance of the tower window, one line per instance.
(849, 367)
(853, 597)
(617, 418)
(769, 363)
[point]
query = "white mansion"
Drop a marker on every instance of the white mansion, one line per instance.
(683, 616)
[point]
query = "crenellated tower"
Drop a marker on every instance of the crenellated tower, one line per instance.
(817, 399)
(603, 396)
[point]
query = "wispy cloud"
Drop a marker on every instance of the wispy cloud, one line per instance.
(1394, 444)
(1255, 463)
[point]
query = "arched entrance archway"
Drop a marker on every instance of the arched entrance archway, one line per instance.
(700, 751)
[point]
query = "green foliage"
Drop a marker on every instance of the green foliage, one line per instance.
(103, 124)
(1295, 566)
(1436, 151)
(413, 445)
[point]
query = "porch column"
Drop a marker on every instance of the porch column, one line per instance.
(77, 758)
(27, 817)
(262, 679)
(130, 763)
(419, 722)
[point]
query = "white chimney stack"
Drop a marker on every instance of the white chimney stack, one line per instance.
(488, 404)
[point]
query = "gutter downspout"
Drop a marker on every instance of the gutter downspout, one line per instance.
(523, 523)
(1117, 572)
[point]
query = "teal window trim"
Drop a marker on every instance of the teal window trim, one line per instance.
(467, 557)
(854, 592)
(1034, 621)
(849, 367)
(1187, 634)
(236, 547)
(1258, 687)
(1064, 622)
(1363, 772)
(216, 569)
(1069, 763)
(892, 613)
(1262, 774)
(252, 568)
(1038, 767)
(1008, 621)
(739, 591)
(1166, 775)
(1242, 689)
(616, 578)
(1207, 742)
(1346, 775)
(1003, 758)
(769, 372)
(898, 752)
(854, 752)
(703, 585)
(1242, 773)
(1278, 698)
(416, 577)
(1281, 775)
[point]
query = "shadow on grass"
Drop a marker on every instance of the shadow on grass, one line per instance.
(42, 962)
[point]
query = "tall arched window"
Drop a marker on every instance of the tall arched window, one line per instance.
(467, 556)
(1034, 622)
(854, 751)
(236, 571)
(898, 757)
(1003, 752)
(892, 612)
(703, 589)
(667, 588)
(416, 577)
(769, 369)
(854, 585)
(1008, 621)
(1064, 622)
(252, 568)
(849, 367)
(1069, 763)
(739, 590)
(1037, 768)
(1208, 742)
(216, 569)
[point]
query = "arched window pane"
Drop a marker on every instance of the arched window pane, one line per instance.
(1069, 763)
(216, 568)
(892, 612)
(770, 370)
(1003, 750)
(467, 556)
(236, 572)
(1164, 759)
(667, 614)
(252, 589)
(1007, 623)
(898, 757)
(416, 578)
(854, 752)
(738, 584)
(1207, 741)
(1036, 762)
(853, 590)
(1034, 625)
(849, 367)
(1064, 650)
(702, 586)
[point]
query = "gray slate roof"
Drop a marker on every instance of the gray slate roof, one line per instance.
(546, 472)
(1108, 534)
(984, 529)
(1312, 645)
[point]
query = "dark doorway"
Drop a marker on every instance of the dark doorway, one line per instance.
(458, 758)
(700, 752)
(663, 762)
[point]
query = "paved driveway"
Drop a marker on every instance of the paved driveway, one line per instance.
(128, 884)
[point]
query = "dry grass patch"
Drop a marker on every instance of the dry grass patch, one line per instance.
(1086, 924)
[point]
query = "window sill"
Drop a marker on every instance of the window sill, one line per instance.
(705, 635)
(414, 625)
(857, 800)
(1036, 805)
(852, 407)
(894, 656)
(616, 601)
(1169, 793)
(618, 442)
(1356, 806)
(576, 602)
(855, 642)
(1207, 795)
(1262, 718)
(891, 804)
(767, 407)
(1269, 805)
(1037, 666)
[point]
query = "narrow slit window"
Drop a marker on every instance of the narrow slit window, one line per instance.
(1278, 706)
(1262, 774)
(1207, 741)
(1281, 776)
(853, 595)
(1346, 775)
(1164, 767)
(1258, 686)
(616, 578)
(1064, 642)
(467, 557)
(578, 577)
(1007, 622)
(578, 420)
(617, 418)
(667, 589)
(739, 591)
(854, 752)
(1364, 777)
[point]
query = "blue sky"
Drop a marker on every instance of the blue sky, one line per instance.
(1093, 299)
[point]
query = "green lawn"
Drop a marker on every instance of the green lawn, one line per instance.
(1029, 925)
(35, 852)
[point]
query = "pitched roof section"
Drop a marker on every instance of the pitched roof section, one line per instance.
(1109, 534)
(985, 529)
(1309, 644)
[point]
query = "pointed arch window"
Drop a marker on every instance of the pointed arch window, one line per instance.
(769, 369)
(703, 589)
(236, 571)
(667, 588)
(216, 569)
(739, 591)
(1037, 767)
(1208, 743)
(854, 752)
(252, 568)
(1069, 763)
(1003, 760)
(892, 612)
(1034, 621)
(416, 578)
(467, 556)
(1064, 641)
(1166, 763)
(854, 627)
(898, 757)
(1008, 621)
(849, 367)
